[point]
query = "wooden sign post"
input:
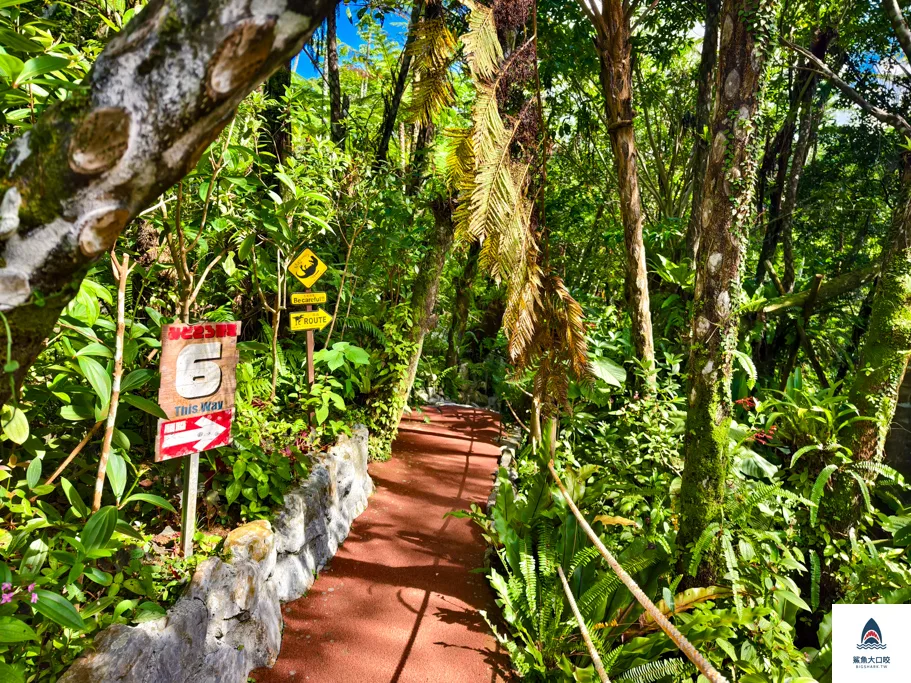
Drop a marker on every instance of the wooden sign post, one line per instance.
(197, 394)
(308, 268)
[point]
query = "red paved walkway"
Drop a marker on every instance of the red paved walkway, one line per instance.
(398, 604)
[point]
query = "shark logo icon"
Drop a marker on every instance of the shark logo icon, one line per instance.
(871, 637)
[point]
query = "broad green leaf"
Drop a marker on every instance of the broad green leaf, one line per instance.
(73, 496)
(124, 528)
(95, 349)
(149, 498)
(145, 405)
(34, 557)
(98, 576)
(97, 376)
(15, 424)
(607, 370)
(243, 252)
(14, 631)
(97, 531)
(793, 599)
(33, 473)
(117, 474)
(135, 379)
(10, 675)
(58, 609)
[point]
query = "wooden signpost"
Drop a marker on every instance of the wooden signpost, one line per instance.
(197, 394)
(308, 268)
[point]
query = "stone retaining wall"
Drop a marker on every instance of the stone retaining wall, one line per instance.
(229, 621)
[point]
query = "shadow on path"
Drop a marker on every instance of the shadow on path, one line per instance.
(398, 603)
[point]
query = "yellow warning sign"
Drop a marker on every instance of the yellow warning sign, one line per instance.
(308, 298)
(307, 268)
(310, 320)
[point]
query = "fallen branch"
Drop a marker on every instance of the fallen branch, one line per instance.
(76, 451)
(686, 647)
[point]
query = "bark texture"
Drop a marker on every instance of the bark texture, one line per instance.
(705, 80)
(887, 343)
(336, 113)
(612, 31)
(155, 99)
(394, 102)
(725, 211)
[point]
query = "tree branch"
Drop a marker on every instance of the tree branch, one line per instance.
(886, 117)
(899, 25)
(157, 96)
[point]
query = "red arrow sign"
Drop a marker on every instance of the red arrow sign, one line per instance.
(177, 438)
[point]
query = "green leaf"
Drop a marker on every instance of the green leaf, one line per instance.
(146, 405)
(9, 674)
(243, 252)
(322, 413)
(902, 536)
(98, 530)
(98, 377)
(73, 496)
(149, 498)
(33, 473)
(805, 449)
(357, 356)
(607, 370)
(117, 474)
(98, 576)
(14, 631)
(58, 609)
(15, 424)
(9, 66)
(748, 367)
(95, 349)
(818, 487)
(233, 491)
(38, 66)
(124, 528)
(135, 379)
(793, 599)
(34, 557)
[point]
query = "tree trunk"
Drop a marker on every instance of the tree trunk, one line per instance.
(785, 189)
(705, 78)
(615, 54)
(389, 410)
(336, 115)
(392, 105)
(725, 215)
(93, 162)
(887, 343)
(462, 304)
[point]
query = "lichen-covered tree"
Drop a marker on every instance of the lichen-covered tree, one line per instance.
(704, 82)
(726, 209)
(611, 20)
(156, 97)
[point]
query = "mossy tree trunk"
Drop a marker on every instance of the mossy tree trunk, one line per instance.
(612, 39)
(886, 346)
(725, 212)
(90, 164)
(388, 408)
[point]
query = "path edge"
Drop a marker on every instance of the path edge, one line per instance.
(229, 621)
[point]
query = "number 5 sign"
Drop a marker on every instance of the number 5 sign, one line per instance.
(197, 388)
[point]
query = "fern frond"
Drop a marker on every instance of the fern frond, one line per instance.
(815, 574)
(656, 671)
(482, 46)
(818, 487)
(705, 540)
(432, 50)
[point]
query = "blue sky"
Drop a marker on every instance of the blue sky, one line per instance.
(395, 27)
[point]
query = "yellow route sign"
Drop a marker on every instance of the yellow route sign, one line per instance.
(307, 268)
(308, 298)
(310, 320)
